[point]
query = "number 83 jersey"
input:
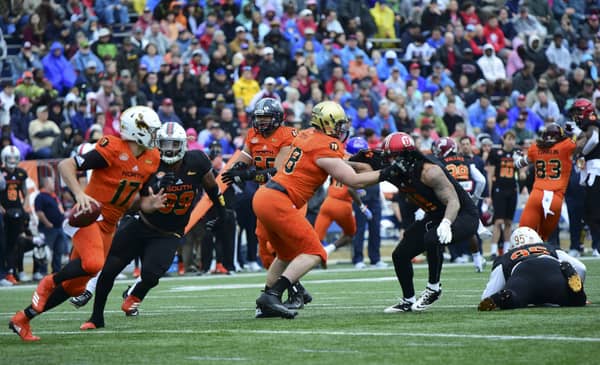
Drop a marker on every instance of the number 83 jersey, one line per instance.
(552, 165)
(117, 174)
(181, 192)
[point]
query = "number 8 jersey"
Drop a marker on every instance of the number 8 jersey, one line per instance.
(117, 176)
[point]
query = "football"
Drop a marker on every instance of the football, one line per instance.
(81, 218)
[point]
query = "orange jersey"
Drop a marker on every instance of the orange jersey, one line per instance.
(264, 149)
(552, 165)
(301, 175)
(339, 191)
(116, 185)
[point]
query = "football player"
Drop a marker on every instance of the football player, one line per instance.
(11, 200)
(464, 171)
(121, 167)
(156, 231)
(337, 206)
(587, 129)
(450, 217)
(267, 138)
(533, 273)
(315, 154)
(552, 158)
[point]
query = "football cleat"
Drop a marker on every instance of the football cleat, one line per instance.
(427, 298)
(19, 324)
(130, 306)
(11, 278)
(573, 279)
(180, 269)
(42, 293)
(295, 298)
(219, 269)
(137, 272)
(403, 306)
(89, 325)
(81, 300)
(269, 304)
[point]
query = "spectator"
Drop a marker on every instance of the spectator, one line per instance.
(384, 18)
(520, 128)
(533, 123)
(516, 58)
(268, 91)
(469, 15)
(58, 70)
(535, 53)
(108, 9)
(27, 88)
(84, 57)
(63, 145)
(468, 67)
(363, 122)
(480, 111)
(132, 95)
(154, 35)
(419, 51)
(524, 80)
(351, 50)
(494, 35)
(388, 63)
(384, 119)
(415, 75)
(451, 117)
(491, 65)
(166, 112)
(192, 142)
(128, 57)
(435, 120)
(88, 79)
(246, 86)
(357, 68)
(104, 48)
(528, 24)
(27, 59)
(545, 108)
(42, 133)
(145, 20)
(50, 213)
(558, 52)
(20, 119)
(106, 94)
(268, 66)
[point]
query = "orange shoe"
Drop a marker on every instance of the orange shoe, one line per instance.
(19, 324)
(12, 279)
(89, 325)
(180, 269)
(220, 269)
(130, 305)
(42, 293)
(137, 272)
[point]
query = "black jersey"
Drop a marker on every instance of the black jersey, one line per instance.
(12, 196)
(504, 172)
(424, 197)
(460, 169)
(181, 194)
(520, 253)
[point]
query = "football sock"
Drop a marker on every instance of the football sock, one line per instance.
(30, 312)
(435, 286)
(411, 299)
(91, 284)
(71, 270)
(477, 258)
(329, 249)
(58, 296)
(281, 285)
(506, 246)
(494, 249)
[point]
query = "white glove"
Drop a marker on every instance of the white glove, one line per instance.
(39, 240)
(419, 214)
(444, 232)
(366, 212)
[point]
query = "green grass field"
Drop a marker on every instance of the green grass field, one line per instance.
(210, 320)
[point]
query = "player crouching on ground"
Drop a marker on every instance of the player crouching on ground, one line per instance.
(533, 273)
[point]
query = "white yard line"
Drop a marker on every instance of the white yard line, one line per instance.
(542, 337)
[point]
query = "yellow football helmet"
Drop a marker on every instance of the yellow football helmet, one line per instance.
(329, 117)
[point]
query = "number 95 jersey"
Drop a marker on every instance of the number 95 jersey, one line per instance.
(116, 185)
(181, 193)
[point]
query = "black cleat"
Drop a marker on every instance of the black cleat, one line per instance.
(403, 306)
(295, 298)
(306, 297)
(81, 300)
(269, 305)
(573, 278)
(427, 298)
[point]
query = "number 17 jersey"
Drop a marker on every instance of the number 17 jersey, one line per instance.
(117, 185)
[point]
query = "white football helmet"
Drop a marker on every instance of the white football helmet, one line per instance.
(10, 157)
(139, 124)
(172, 142)
(524, 236)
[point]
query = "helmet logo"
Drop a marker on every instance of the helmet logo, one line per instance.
(139, 122)
(406, 141)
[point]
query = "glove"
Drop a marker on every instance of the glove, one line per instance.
(168, 179)
(391, 171)
(444, 232)
(366, 212)
(238, 176)
(419, 214)
(373, 158)
(571, 129)
(39, 240)
(521, 162)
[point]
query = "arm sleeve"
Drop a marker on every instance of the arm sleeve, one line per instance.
(90, 161)
(479, 180)
(591, 143)
(495, 284)
(577, 265)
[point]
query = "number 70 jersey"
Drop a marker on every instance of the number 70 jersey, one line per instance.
(117, 185)
(552, 165)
